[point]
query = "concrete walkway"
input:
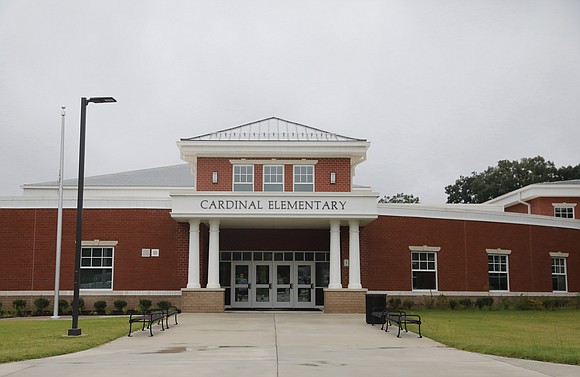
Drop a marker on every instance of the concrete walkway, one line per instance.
(272, 344)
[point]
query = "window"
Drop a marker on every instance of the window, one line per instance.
(96, 268)
(497, 267)
(273, 178)
(559, 272)
(566, 212)
(243, 178)
(303, 178)
(423, 267)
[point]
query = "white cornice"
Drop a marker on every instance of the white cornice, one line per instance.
(560, 190)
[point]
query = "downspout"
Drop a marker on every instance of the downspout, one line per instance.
(525, 203)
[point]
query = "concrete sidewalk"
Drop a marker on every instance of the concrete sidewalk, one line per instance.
(285, 344)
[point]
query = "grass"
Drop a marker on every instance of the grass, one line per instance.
(33, 338)
(552, 336)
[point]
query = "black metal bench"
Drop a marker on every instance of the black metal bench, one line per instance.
(148, 320)
(401, 319)
(171, 311)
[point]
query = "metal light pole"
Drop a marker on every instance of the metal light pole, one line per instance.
(75, 330)
(59, 219)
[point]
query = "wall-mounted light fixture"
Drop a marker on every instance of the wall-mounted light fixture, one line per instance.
(333, 178)
(214, 177)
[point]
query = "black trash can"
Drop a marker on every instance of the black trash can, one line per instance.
(374, 302)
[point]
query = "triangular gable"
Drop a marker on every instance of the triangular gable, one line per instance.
(272, 129)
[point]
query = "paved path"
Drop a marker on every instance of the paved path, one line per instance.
(278, 344)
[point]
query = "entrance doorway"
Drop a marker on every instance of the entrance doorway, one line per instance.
(274, 280)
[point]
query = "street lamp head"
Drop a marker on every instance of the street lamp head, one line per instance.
(101, 100)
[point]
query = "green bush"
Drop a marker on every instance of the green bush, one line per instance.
(466, 303)
(19, 306)
(62, 305)
(81, 304)
(452, 304)
(482, 302)
(408, 304)
(100, 306)
(505, 303)
(120, 304)
(41, 304)
(394, 303)
(144, 305)
(441, 302)
(163, 305)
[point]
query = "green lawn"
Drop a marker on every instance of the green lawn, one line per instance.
(33, 338)
(537, 335)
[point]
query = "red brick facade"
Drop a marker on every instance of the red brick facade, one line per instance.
(322, 170)
(28, 250)
(544, 206)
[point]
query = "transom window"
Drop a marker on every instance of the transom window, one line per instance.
(497, 266)
(303, 178)
(243, 178)
(273, 178)
(424, 270)
(559, 274)
(96, 268)
(564, 212)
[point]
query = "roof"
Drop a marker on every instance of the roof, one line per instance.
(569, 188)
(167, 176)
(272, 129)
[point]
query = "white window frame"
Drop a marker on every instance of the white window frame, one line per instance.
(303, 184)
(425, 250)
(97, 244)
(562, 257)
(499, 253)
(276, 175)
(239, 174)
(564, 208)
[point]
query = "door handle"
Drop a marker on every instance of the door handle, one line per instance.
(290, 285)
(311, 285)
(249, 285)
(269, 285)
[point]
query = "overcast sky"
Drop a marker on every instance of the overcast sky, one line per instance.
(439, 88)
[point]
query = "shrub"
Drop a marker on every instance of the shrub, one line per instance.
(163, 305)
(62, 305)
(41, 304)
(394, 303)
(408, 304)
(441, 302)
(100, 306)
(466, 303)
(452, 304)
(481, 302)
(18, 306)
(505, 303)
(120, 304)
(144, 305)
(81, 304)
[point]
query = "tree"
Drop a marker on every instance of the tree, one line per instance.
(399, 198)
(507, 176)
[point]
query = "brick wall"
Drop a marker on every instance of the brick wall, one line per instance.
(462, 261)
(344, 301)
(543, 206)
(322, 170)
(202, 300)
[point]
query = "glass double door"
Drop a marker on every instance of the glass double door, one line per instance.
(273, 285)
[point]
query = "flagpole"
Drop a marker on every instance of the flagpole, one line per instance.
(59, 218)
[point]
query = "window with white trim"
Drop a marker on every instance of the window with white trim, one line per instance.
(424, 267)
(273, 178)
(498, 272)
(303, 178)
(559, 274)
(566, 212)
(243, 177)
(96, 267)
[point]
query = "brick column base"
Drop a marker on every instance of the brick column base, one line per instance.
(202, 300)
(344, 300)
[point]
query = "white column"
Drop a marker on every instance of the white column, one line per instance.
(335, 281)
(193, 265)
(354, 255)
(213, 262)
